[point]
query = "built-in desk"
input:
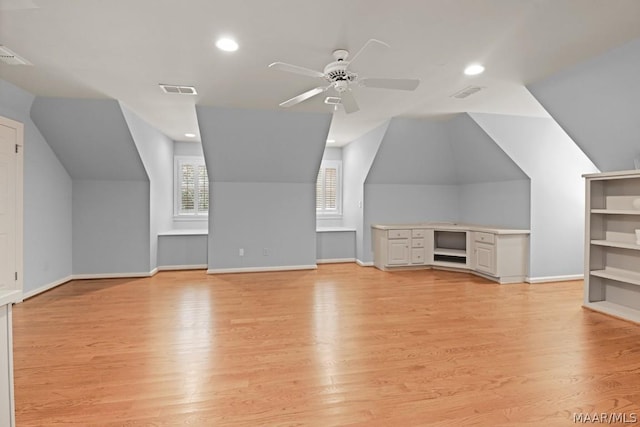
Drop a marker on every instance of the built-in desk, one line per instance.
(499, 254)
(7, 406)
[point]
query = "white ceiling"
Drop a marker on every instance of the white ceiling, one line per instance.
(122, 49)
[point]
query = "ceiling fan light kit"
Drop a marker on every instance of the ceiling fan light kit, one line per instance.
(340, 78)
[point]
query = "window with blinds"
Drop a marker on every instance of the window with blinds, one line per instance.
(329, 188)
(192, 187)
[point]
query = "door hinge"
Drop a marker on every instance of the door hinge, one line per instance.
(17, 148)
(16, 275)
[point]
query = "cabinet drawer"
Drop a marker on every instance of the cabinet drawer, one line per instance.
(417, 256)
(398, 234)
(485, 237)
(417, 233)
(417, 243)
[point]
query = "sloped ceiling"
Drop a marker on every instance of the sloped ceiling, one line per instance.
(262, 146)
(90, 137)
(598, 104)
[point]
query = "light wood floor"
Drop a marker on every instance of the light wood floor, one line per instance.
(343, 345)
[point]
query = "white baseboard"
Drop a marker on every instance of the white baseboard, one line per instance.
(182, 267)
(113, 275)
(364, 264)
(547, 279)
(261, 269)
(46, 287)
(334, 260)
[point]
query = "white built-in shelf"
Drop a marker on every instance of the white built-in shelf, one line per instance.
(450, 252)
(616, 310)
(619, 275)
(614, 244)
(616, 211)
(451, 264)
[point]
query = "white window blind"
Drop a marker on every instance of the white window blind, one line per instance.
(329, 189)
(192, 187)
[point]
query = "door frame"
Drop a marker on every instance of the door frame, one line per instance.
(19, 127)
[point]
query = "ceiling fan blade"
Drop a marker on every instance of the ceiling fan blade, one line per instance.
(367, 45)
(348, 101)
(295, 69)
(401, 84)
(303, 96)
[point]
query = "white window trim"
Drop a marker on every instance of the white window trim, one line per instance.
(177, 160)
(337, 214)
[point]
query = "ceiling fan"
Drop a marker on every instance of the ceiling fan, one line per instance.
(340, 77)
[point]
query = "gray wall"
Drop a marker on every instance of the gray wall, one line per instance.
(156, 152)
(47, 198)
(110, 190)
(502, 203)
(263, 167)
(596, 103)
(336, 245)
(555, 164)
(357, 158)
(182, 250)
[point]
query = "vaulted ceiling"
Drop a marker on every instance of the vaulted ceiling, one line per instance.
(122, 49)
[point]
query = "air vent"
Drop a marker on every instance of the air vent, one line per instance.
(467, 91)
(332, 100)
(9, 57)
(178, 90)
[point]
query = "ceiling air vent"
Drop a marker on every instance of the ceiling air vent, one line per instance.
(178, 90)
(467, 91)
(9, 57)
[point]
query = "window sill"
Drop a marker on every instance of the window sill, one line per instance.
(184, 233)
(334, 229)
(190, 218)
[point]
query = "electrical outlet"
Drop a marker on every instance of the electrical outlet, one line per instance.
(241, 252)
(359, 203)
(265, 251)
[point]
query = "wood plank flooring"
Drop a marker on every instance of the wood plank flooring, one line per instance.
(340, 346)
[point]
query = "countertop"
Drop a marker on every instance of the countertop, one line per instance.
(451, 226)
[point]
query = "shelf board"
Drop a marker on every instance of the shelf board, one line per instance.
(619, 275)
(614, 244)
(615, 310)
(449, 264)
(450, 252)
(616, 211)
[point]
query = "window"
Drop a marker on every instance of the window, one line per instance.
(191, 187)
(329, 189)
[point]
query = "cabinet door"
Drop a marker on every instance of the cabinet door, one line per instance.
(398, 252)
(485, 259)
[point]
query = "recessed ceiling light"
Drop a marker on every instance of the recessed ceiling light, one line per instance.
(330, 141)
(190, 135)
(474, 70)
(227, 44)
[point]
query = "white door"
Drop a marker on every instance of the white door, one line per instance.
(10, 203)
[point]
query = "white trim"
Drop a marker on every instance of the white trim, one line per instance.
(185, 232)
(334, 260)
(182, 267)
(547, 279)
(261, 269)
(47, 287)
(334, 229)
(113, 275)
(364, 264)
(19, 214)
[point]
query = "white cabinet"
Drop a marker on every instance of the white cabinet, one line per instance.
(485, 258)
(497, 254)
(398, 252)
(612, 252)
